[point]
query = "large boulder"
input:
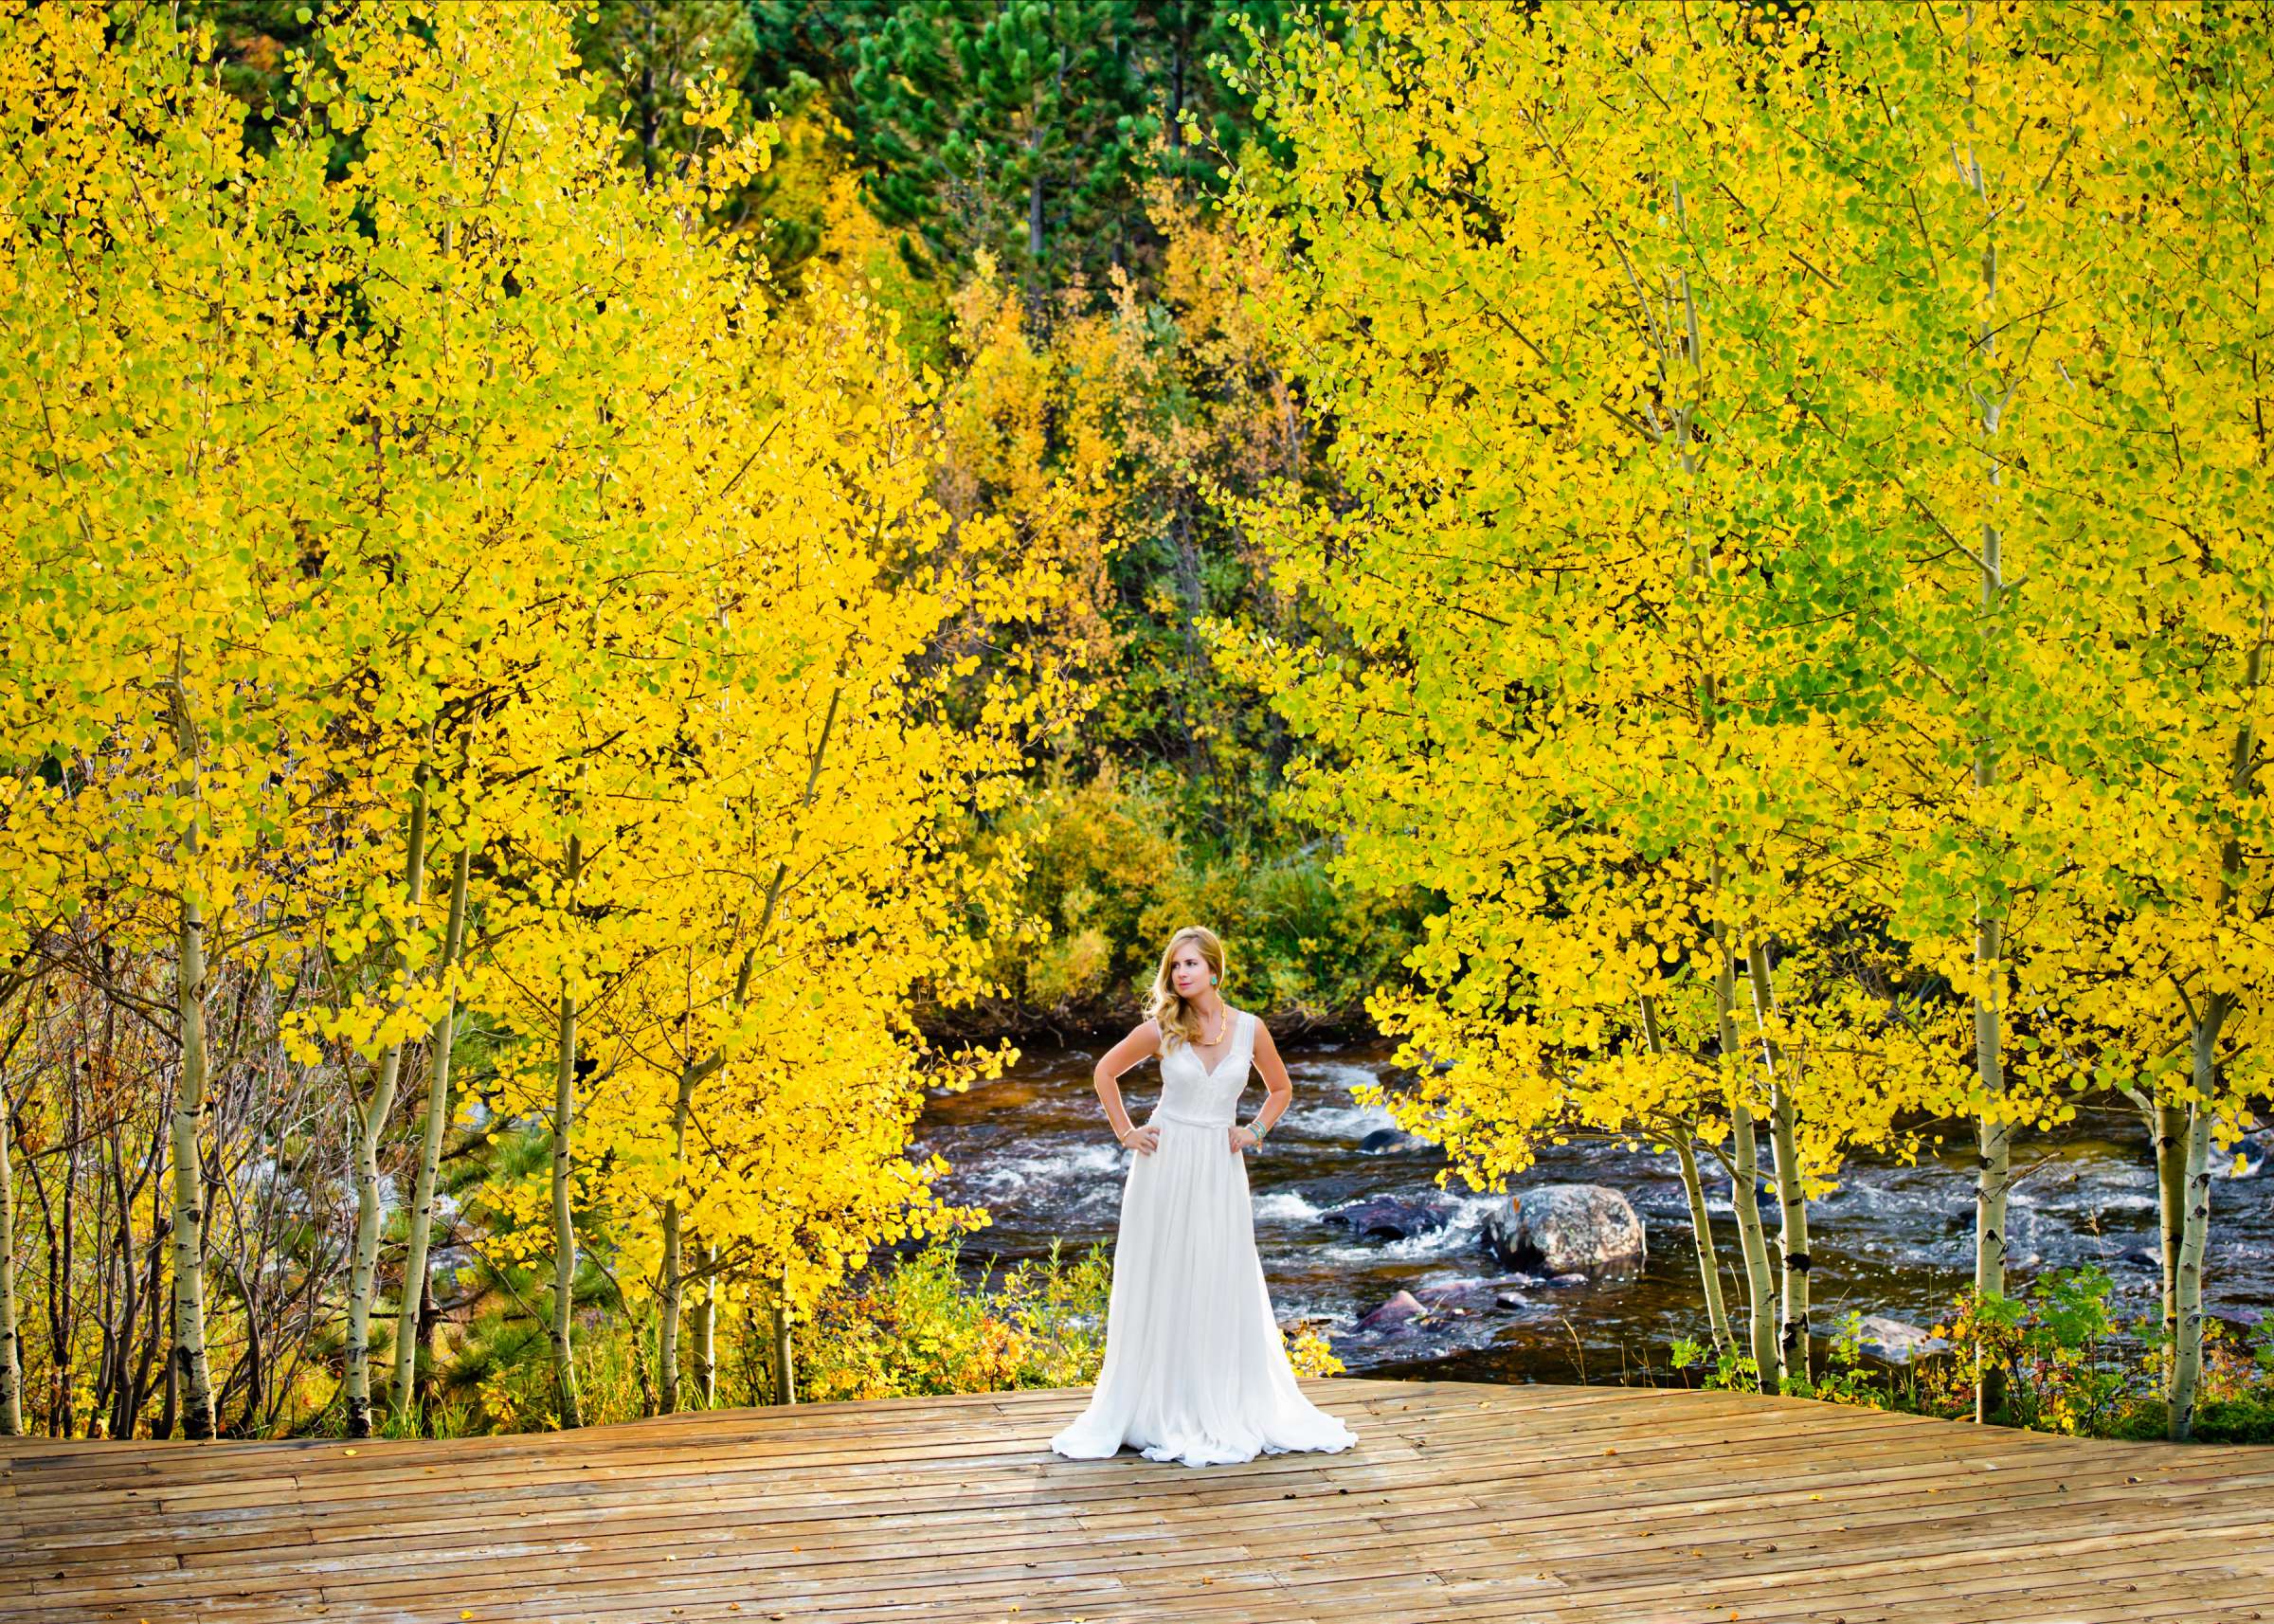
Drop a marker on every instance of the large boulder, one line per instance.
(1564, 1229)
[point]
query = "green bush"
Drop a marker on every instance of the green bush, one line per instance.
(2069, 1367)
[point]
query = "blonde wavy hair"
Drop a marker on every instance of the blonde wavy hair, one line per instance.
(1180, 1022)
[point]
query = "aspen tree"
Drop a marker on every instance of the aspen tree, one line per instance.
(189, 1352)
(371, 1124)
(495, 457)
(1563, 401)
(691, 1076)
(560, 1324)
(12, 1344)
(159, 617)
(1693, 1190)
(404, 1391)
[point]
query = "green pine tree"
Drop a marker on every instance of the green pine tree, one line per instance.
(1027, 128)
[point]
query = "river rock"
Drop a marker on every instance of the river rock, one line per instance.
(1560, 1229)
(1895, 1342)
(1463, 1294)
(1388, 1139)
(1390, 1218)
(1397, 1315)
(1469, 1293)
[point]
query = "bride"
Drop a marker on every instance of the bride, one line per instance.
(1194, 1368)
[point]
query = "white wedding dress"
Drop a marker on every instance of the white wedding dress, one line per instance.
(1194, 1368)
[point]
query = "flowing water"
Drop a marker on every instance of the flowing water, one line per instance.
(1895, 1240)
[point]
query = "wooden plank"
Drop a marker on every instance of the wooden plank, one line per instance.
(1462, 1502)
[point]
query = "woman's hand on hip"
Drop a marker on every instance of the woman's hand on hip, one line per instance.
(1144, 1139)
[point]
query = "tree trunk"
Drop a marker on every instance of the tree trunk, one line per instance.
(706, 1332)
(1701, 1224)
(2194, 1237)
(1992, 1179)
(153, 1287)
(370, 1215)
(1793, 1337)
(2189, 1344)
(682, 1108)
(2167, 1126)
(1994, 1135)
(675, 1280)
(1701, 1229)
(408, 1337)
(191, 1378)
(11, 1345)
(121, 1420)
(564, 1223)
(1745, 1185)
(1745, 1190)
(785, 1386)
(2187, 1350)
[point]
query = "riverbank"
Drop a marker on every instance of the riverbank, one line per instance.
(1894, 1242)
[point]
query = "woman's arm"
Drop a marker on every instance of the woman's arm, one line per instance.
(1279, 1090)
(1105, 1077)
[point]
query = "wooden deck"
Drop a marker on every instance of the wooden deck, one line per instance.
(1460, 1501)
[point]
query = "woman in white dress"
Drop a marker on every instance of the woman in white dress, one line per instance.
(1195, 1370)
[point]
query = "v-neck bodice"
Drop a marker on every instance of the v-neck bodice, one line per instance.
(1192, 1090)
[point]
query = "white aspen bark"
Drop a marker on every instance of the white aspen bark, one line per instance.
(706, 1332)
(1744, 1188)
(682, 1113)
(403, 1390)
(675, 1276)
(1744, 1168)
(1793, 1331)
(186, 1359)
(2195, 1235)
(2168, 1126)
(11, 1342)
(1992, 1179)
(1701, 1223)
(564, 1222)
(1994, 1135)
(2186, 1352)
(1744, 1183)
(370, 1215)
(785, 1386)
(1700, 1227)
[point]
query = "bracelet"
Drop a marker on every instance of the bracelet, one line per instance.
(1257, 1128)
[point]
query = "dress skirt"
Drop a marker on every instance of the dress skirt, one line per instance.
(1194, 1368)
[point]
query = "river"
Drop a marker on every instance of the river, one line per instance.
(1895, 1240)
